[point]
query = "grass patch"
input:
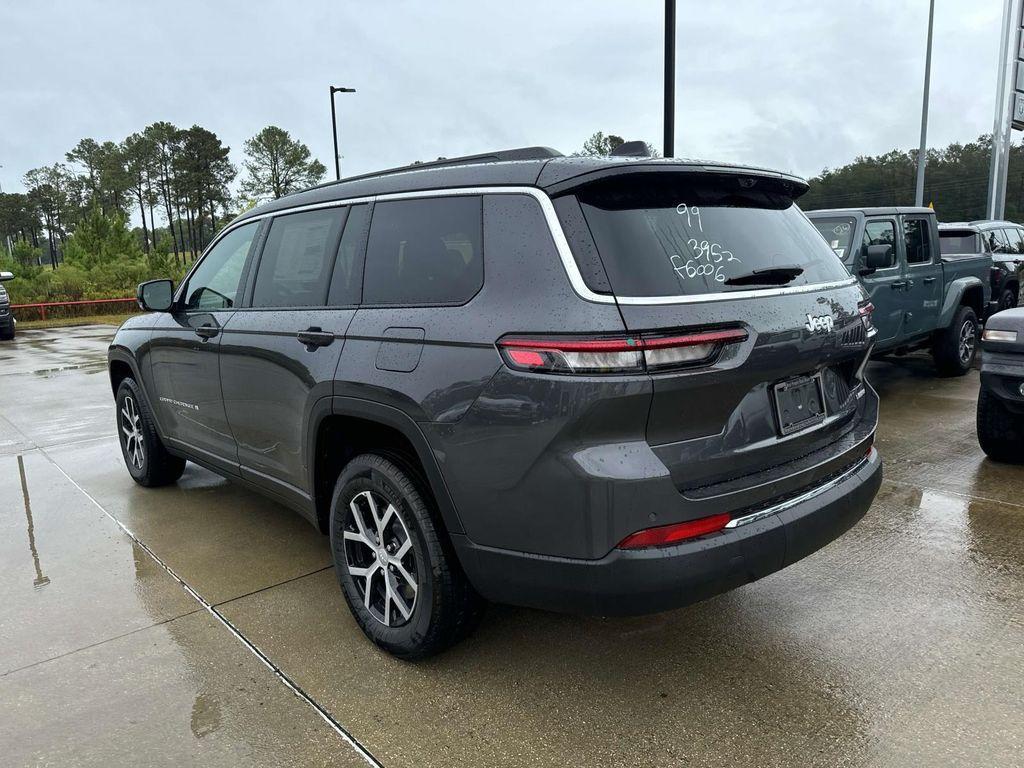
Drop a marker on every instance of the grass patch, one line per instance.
(63, 322)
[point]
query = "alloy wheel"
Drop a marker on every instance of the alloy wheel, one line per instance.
(131, 428)
(968, 340)
(380, 557)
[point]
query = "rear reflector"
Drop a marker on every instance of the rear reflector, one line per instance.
(672, 534)
(616, 354)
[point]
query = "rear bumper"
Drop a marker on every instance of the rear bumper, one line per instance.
(646, 581)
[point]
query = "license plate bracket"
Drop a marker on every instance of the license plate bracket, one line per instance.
(799, 403)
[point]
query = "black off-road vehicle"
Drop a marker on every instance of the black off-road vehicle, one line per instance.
(1001, 399)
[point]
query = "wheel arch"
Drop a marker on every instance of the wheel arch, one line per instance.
(343, 427)
(121, 365)
(964, 291)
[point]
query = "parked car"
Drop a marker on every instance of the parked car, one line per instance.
(608, 386)
(7, 322)
(966, 240)
(1004, 240)
(922, 299)
(1001, 398)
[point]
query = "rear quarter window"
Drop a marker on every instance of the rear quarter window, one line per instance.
(952, 243)
(693, 234)
(425, 251)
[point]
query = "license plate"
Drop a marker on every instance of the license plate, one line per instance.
(799, 404)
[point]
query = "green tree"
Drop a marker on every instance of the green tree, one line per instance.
(166, 139)
(202, 174)
(277, 165)
(139, 155)
(601, 145)
(101, 240)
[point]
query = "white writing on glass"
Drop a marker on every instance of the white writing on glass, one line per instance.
(692, 214)
(709, 260)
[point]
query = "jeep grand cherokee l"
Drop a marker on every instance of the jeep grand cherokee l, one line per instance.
(607, 386)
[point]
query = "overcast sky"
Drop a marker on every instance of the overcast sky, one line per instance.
(795, 85)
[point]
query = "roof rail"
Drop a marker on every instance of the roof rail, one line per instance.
(502, 155)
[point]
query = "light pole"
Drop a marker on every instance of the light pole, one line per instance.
(923, 151)
(334, 129)
(668, 146)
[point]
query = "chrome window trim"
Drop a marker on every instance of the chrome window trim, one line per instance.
(561, 245)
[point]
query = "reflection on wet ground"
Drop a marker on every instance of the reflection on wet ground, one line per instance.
(902, 643)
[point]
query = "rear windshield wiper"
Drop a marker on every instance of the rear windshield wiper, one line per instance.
(772, 276)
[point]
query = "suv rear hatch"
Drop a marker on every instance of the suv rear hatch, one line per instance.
(688, 251)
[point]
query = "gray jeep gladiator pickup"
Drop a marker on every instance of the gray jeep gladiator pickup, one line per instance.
(922, 299)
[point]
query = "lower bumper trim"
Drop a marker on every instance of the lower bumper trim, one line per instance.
(761, 514)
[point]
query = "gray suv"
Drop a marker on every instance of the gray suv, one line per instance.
(608, 386)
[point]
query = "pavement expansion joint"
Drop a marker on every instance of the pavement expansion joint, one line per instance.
(249, 645)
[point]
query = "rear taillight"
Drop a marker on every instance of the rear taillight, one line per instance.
(866, 309)
(633, 354)
(672, 534)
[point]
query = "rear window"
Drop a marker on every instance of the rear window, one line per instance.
(425, 251)
(959, 242)
(838, 233)
(689, 234)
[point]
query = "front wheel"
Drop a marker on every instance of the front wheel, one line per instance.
(955, 346)
(397, 569)
(144, 454)
(1000, 432)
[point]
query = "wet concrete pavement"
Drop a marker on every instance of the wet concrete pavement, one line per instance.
(900, 644)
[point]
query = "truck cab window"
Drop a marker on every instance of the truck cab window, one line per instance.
(917, 238)
(881, 232)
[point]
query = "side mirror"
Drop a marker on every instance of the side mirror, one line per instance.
(5, 276)
(876, 257)
(156, 295)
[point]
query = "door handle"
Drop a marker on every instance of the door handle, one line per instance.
(315, 337)
(929, 280)
(897, 285)
(207, 331)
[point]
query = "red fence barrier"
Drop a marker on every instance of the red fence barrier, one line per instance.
(71, 306)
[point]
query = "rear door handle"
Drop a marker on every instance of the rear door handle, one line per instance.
(928, 280)
(315, 337)
(207, 331)
(897, 285)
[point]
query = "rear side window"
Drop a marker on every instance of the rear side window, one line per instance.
(425, 251)
(347, 280)
(956, 242)
(1013, 237)
(997, 242)
(690, 234)
(838, 233)
(297, 259)
(882, 232)
(917, 235)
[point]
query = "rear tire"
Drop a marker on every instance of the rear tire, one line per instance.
(145, 456)
(954, 347)
(396, 567)
(1000, 432)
